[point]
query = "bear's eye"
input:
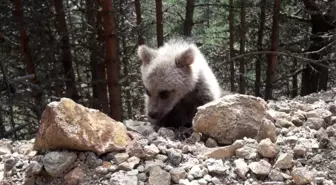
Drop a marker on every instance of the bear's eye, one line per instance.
(147, 92)
(164, 94)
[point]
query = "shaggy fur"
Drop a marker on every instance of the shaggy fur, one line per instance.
(177, 79)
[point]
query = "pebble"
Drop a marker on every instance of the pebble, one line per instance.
(268, 149)
(261, 167)
(174, 156)
(284, 161)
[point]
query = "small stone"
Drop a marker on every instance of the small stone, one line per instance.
(122, 178)
(284, 161)
(222, 152)
(302, 176)
(144, 128)
(33, 168)
(158, 176)
(322, 137)
(299, 150)
(190, 177)
(150, 164)
(268, 149)
(202, 182)
(194, 138)
(29, 181)
(129, 164)
(211, 143)
(184, 182)
(241, 168)
(120, 157)
(207, 177)
(318, 158)
(9, 163)
(135, 149)
(4, 150)
(174, 156)
(142, 177)
(247, 152)
(197, 171)
(292, 140)
(275, 175)
(56, 163)
(161, 157)
(297, 121)
(284, 123)
(151, 150)
(216, 181)
(332, 165)
(215, 166)
(166, 133)
(75, 176)
(260, 168)
(177, 174)
(314, 123)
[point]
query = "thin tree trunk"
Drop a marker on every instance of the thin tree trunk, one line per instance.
(141, 40)
(159, 22)
(188, 22)
(24, 40)
(125, 61)
(93, 45)
(101, 70)
(242, 48)
(274, 47)
(111, 59)
(257, 84)
(71, 90)
(294, 92)
(232, 69)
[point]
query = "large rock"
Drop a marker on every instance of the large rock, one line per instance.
(68, 125)
(231, 117)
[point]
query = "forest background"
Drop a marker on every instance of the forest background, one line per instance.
(86, 50)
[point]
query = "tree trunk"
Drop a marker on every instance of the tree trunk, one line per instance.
(159, 22)
(71, 90)
(24, 40)
(315, 77)
(232, 69)
(111, 59)
(188, 22)
(257, 84)
(141, 40)
(274, 47)
(294, 91)
(242, 48)
(99, 92)
(125, 61)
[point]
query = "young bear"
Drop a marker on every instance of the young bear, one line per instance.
(177, 79)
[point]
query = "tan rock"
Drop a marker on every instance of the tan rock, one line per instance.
(223, 152)
(268, 149)
(302, 176)
(68, 125)
(231, 117)
(266, 130)
(75, 176)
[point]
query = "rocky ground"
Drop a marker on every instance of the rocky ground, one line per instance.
(296, 144)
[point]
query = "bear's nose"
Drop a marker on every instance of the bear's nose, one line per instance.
(153, 115)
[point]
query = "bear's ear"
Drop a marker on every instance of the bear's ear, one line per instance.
(186, 58)
(146, 54)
